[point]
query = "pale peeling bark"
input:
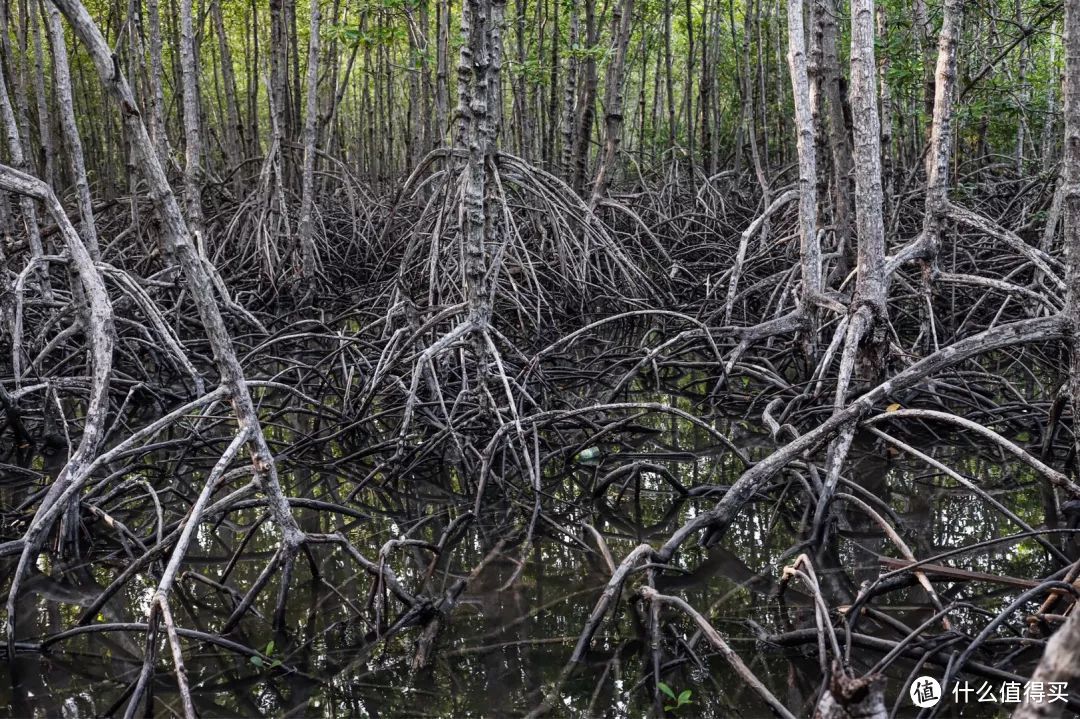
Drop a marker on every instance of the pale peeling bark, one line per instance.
(870, 282)
(810, 249)
(937, 162)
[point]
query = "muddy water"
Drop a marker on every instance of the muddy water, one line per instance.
(504, 646)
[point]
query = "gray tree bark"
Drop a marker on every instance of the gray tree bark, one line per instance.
(809, 247)
(306, 230)
(189, 70)
(72, 141)
(613, 97)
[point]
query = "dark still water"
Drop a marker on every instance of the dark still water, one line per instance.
(514, 602)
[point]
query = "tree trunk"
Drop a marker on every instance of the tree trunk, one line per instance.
(72, 141)
(29, 211)
(280, 121)
(866, 338)
(586, 107)
(937, 163)
(1049, 141)
(48, 152)
(157, 94)
(306, 230)
(885, 92)
(570, 93)
(839, 139)
(621, 19)
(810, 250)
(189, 69)
(442, 74)
(234, 128)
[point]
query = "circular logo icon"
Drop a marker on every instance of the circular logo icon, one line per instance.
(925, 692)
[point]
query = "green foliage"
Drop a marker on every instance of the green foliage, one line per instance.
(681, 699)
(268, 652)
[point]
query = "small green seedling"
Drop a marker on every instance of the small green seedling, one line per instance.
(681, 700)
(269, 652)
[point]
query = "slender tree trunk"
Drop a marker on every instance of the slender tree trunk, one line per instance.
(29, 211)
(413, 137)
(442, 74)
(688, 97)
(475, 135)
(72, 141)
(669, 76)
(494, 75)
(254, 82)
(48, 152)
(886, 115)
(1049, 140)
(292, 53)
(234, 127)
(553, 93)
(866, 338)
(621, 19)
(279, 80)
(157, 72)
(839, 139)
(810, 250)
(1023, 92)
(193, 153)
(937, 163)
(705, 93)
(586, 107)
(1071, 176)
(306, 230)
(926, 39)
(570, 94)
(425, 77)
(522, 117)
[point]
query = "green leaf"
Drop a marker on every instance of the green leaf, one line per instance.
(269, 648)
(666, 689)
(669, 707)
(684, 697)
(257, 661)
